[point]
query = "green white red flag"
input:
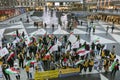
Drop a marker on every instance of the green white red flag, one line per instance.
(81, 51)
(96, 40)
(10, 56)
(79, 62)
(30, 62)
(11, 71)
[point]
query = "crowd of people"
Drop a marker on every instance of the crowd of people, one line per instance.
(39, 50)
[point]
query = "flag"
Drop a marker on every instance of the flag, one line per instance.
(59, 43)
(81, 51)
(47, 56)
(54, 48)
(40, 46)
(96, 40)
(16, 40)
(11, 71)
(30, 62)
(79, 62)
(75, 45)
(14, 34)
(112, 66)
(105, 47)
(72, 38)
(3, 52)
(10, 56)
(67, 48)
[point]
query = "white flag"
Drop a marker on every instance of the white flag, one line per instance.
(3, 52)
(67, 48)
(75, 45)
(54, 48)
(72, 38)
(59, 43)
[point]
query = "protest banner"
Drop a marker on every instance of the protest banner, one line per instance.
(46, 75)
(69, 70)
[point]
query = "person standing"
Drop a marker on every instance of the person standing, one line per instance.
(45, 25)
(106, 64)
(16, 67)
(107, 28)
(85, 65)
(94, 27)
(27, 68)
(90, 64)
(53, 27)
(113, 49)
(112, 27)
(112, 57)
(21, 59)
(31, 70)
(81, 23)
(115, 68)
(98, 47)
(4, 67)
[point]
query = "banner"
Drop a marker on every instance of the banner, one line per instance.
(75, 45)
(69, 70)
(72, 38)
(3, 52)
(46, 75)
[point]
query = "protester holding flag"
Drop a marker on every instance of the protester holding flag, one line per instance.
(114, 67)
(16, 67)
(21, 59)
(4, 67)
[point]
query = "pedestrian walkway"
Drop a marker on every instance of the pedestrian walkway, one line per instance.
(110, 39)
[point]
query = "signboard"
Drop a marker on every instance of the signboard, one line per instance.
(46, 75)
(69, 70)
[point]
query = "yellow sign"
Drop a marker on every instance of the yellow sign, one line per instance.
(46, 75)
(69, 70)
(54, 73)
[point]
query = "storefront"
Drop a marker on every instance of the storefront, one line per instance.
(5, 14)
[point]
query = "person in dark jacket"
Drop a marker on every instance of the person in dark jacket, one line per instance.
(98, 47)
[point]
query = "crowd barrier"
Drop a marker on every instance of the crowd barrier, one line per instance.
(54, 73)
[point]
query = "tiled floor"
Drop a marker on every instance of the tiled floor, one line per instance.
(110, 39)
